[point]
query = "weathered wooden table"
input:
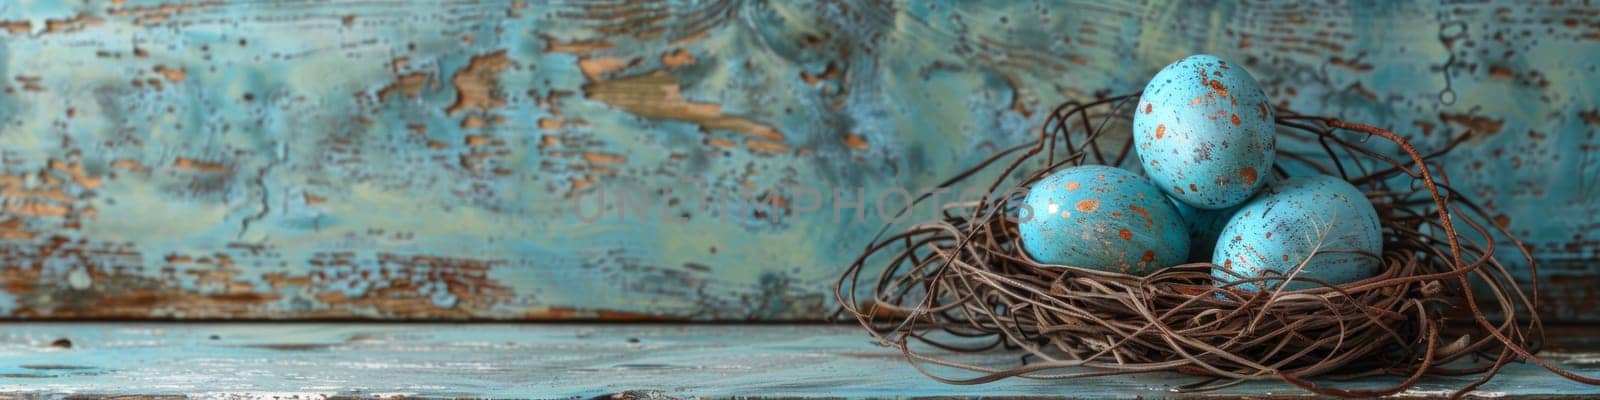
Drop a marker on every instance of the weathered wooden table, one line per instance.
(315, 360)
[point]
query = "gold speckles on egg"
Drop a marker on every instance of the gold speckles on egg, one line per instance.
(1216, 85)
(1088, 205)
(1148, 222)
(1088, 224)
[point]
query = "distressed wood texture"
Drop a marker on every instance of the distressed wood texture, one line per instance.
(412, 160)
(282, 361)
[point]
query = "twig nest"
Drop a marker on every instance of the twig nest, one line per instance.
(982, 270)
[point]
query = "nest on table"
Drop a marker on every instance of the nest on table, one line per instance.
(961, 283)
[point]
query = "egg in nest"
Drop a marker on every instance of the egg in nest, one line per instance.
(1204, 132)
(1321, 221)
(1102, 218)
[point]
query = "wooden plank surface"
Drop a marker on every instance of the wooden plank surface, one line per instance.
(435, 159)
(311, 360)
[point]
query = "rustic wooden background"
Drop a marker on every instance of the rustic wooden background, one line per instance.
(428, 159)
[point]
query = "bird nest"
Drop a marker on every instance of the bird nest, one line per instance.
(961, 283)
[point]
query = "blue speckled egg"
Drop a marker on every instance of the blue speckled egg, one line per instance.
(1102, 218)
(1278, 229)
(1204, 227)
(1204, 132)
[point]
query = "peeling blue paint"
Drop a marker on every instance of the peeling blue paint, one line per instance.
(278, 121)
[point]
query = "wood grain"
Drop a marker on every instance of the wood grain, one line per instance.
(427, 160)
(207, 360)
